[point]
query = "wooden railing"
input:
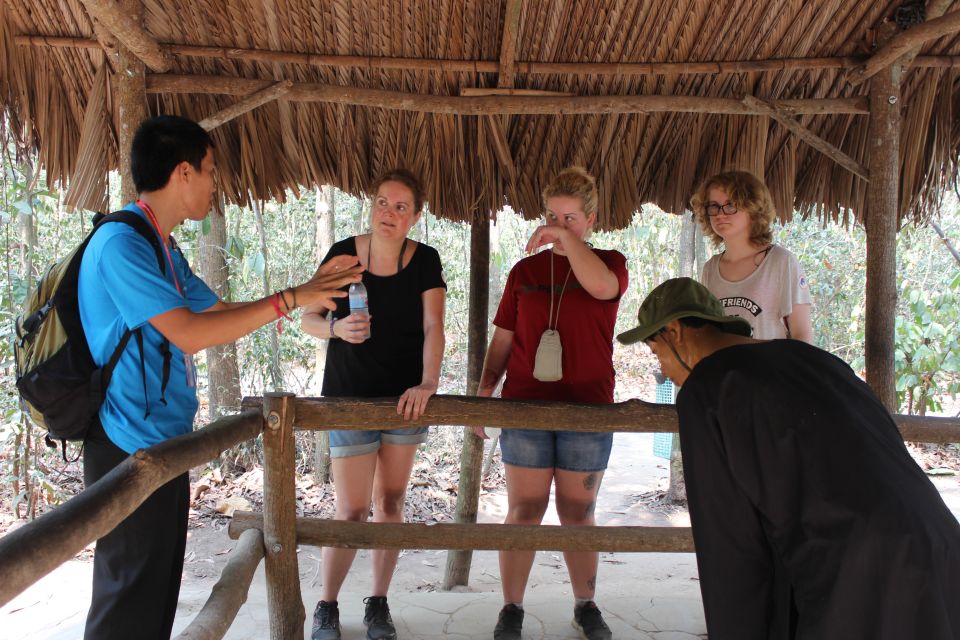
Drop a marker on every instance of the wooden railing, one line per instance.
(32, 551)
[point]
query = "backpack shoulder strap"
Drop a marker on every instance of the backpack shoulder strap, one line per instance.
(139, 225)
(144, 228)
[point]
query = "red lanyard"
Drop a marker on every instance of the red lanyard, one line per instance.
(153, 219)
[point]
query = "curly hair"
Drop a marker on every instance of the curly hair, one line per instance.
(574, 182)
(407, 179)
(748, 193)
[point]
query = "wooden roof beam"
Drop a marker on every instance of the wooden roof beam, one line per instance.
(508, 44)
(126, 28)
(489, 66)
(812, 139)
(251, 102)
(934, 9)
(485, 106)
(904, 43)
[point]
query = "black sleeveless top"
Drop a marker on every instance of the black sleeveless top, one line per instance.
(391, 360)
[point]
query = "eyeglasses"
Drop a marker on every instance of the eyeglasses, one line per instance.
(715, 209)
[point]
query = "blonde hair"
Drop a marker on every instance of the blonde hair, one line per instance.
(574, 182)
(747, 193)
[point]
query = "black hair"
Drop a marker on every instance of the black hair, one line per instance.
(162, 143)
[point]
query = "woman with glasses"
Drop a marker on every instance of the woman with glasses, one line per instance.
(553, 339)
(753, 278)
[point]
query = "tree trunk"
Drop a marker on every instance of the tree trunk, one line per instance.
(325, 213)
(223, 371)
(276, 377)
(471, 458)
(677, 491)
(881, 233)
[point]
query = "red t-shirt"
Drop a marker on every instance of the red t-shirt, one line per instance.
(585, 325)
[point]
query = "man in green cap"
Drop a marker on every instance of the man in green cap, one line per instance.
(797, 477)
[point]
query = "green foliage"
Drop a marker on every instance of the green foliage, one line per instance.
(35, 231)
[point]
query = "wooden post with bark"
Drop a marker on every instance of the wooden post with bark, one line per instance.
(326, 220)
(280, 513)
(882, 214)
(457, 571)
(129, 86)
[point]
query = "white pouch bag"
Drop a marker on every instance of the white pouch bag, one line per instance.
(548, 365)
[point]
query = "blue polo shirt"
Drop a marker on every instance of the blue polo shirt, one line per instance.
(121, 287)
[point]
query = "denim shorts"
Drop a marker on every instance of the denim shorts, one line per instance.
(344, 444)
(567, 450)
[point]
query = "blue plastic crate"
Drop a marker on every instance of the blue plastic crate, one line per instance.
(663, 442)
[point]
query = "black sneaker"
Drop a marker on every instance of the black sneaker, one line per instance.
(588, 621)
(377, 619)
(326, 621)
(509, 624)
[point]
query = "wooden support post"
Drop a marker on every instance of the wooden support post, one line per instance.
(882, 214)
(280, 516)
(129, 84)
(457, 572)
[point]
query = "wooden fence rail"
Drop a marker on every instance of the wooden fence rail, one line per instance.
(230, 592)
(478, 537)
(36, 549)
(633, 416)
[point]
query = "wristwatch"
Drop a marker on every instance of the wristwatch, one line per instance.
(333, 321)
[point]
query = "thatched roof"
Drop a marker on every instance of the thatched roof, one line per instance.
(324, 129)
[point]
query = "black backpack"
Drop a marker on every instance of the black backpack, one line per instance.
(60, 386)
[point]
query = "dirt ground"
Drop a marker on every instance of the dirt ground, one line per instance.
(632, 494)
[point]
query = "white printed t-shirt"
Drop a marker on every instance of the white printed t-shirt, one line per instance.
(766, 296)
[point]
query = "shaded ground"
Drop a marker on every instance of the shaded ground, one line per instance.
(644, 596)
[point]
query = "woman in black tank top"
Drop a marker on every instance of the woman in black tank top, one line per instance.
(401, 357)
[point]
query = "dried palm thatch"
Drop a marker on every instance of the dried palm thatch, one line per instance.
(473, 160)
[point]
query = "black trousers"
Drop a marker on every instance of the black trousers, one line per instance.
(137, 566)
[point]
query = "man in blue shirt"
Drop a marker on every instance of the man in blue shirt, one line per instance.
(137, 566)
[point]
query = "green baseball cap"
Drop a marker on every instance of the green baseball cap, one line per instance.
(681, 298)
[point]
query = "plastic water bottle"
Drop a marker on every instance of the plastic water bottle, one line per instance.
(358, 301)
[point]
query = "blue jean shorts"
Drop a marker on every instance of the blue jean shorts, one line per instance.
(344, 444)
(567, 450)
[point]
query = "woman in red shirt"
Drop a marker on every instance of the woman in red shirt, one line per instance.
(553, 338)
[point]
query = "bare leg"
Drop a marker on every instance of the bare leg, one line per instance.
(353, 484)
(576, 502)
(528, 494)
(394, 464)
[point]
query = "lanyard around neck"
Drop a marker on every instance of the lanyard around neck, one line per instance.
(562, 289)
(156, 225)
